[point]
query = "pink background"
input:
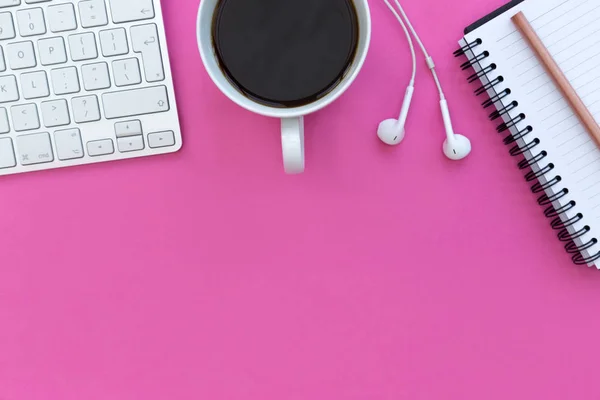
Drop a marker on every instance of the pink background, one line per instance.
(209, 274)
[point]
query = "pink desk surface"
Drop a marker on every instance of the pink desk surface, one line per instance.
(378, 274)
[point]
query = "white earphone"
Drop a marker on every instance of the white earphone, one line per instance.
(391, 131)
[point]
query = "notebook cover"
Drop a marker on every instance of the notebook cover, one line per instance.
(584, 254)
(491, 16)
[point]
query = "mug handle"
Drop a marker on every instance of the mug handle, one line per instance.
(292, 144)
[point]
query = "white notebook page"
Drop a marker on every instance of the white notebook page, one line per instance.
(570, 29)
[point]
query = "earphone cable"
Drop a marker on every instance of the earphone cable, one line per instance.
(429, 60)
(410, 41)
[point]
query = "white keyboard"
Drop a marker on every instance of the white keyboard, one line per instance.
(83, 82)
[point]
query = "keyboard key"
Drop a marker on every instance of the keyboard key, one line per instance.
(144, 39)
(25, 117)
(55, 113)
(95, 76)
(36, 1)
(52, 51)
(2, 62)
(65, 80)
(35, 148)
(7, 154)
(83, 46)
(129, 103)
(161, 139)
(128, 128)
(131, 143)
(93, 13)
(21, 55)
(7, 27)
(100, 147)
(85, 109)
(9, 3)
(8, 89)
(31, 22)
(62, 18)
(35, 85)
(68, 144)
(127, 72)
(114, 42)
(131, 10)
(4, 127)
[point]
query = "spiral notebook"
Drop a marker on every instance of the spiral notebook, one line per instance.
(560, 159)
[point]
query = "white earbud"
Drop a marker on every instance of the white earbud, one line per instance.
(456, 147)
(391, 131)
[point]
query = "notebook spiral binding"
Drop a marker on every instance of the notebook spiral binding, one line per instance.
(531, 145)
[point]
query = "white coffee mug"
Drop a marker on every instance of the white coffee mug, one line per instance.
(292, 119)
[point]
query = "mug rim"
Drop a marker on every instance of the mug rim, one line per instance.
(292, 112)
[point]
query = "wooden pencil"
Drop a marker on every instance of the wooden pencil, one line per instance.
(544, 56)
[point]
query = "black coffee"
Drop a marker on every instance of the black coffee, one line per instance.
(285, 53)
